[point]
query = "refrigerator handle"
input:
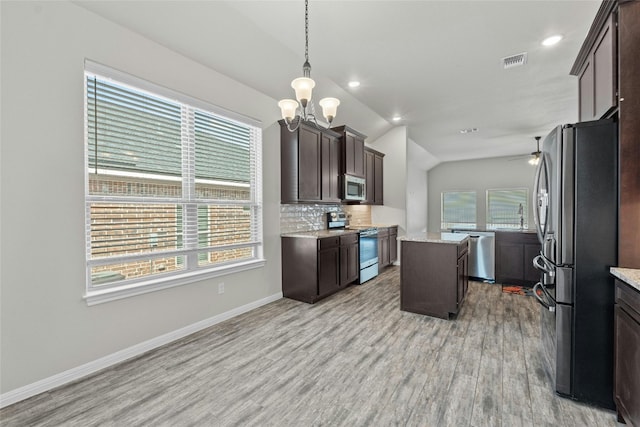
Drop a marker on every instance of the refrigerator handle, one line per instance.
(544, 297)
(536, 198)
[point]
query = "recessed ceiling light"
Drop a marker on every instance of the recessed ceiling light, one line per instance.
(469, 130)
(354, 83)
(396, 118)
(550, 41)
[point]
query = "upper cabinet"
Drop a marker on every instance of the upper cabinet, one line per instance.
(352, 150)
(598, 74)
(309, 165)
(373, 167)
(607, 68)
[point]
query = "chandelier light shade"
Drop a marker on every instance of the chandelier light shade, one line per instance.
(329, 108)
(303, 87)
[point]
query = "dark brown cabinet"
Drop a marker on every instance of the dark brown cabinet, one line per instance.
(314, 268)
(387, 246)
(374, 164)
(597, 80)
(309, 165)
(383, 248)
(607, 67)
(433, 277)
(349, 259)
(393, 244)
(352, 151)
(627, 353)
(515, 252)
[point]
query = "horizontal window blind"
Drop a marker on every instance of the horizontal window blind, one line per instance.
(171, 188)
(507, 208)
(458, 209)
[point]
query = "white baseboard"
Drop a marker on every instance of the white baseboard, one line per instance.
(76, 373)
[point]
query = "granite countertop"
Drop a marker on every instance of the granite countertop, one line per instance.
(372, 225)
(319, 234)
(451, 238)
(506, 230)
(630, 276)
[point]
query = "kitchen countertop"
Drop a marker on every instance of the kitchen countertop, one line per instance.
(319, 234)
(450, 238)
(630, 276)
(506, 230)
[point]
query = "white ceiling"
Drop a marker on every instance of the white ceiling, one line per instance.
(435, 63)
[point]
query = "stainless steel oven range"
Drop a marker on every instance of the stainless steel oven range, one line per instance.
(368, 244)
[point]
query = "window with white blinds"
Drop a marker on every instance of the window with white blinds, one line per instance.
(458, 209)
(173, 187)
(507, 208)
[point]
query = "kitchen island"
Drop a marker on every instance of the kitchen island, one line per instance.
(433, 273)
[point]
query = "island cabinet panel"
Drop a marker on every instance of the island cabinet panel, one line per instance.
(627, 353)
(309, 165)
(433, 277)
(515, 252)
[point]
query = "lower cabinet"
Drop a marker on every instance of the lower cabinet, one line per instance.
(313, 268)
(387, 246)
(627, 353)
(349, 259)
(433, 277)
(514, 257)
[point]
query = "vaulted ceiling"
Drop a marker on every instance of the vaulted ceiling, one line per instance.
(437, 64)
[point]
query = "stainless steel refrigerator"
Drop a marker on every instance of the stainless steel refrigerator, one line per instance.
(576, 210)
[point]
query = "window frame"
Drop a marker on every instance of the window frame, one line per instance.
(442, 219)
(491, 226)
(96, 293)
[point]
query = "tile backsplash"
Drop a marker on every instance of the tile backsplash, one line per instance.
(301, 217)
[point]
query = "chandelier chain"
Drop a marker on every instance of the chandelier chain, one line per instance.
(306, 30)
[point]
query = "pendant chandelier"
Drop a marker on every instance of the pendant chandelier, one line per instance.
(303, 87)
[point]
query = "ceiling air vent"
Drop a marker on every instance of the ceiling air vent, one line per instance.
(514, 60)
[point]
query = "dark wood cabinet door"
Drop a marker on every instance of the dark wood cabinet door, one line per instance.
(309, 172)
(349, 159)
(330, 168)
(585, 89)
(627, 366)
(509, 257)
(328, 270)
(349, 264)
(462, 278)
(358, 157)
(393, 245)
(604, 70)
(383, 247)
(378, 181)
(369, 172)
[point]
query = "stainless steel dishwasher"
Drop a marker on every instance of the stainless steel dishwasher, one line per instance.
(482, 254)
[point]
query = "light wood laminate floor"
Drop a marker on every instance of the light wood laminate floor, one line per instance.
(353, 359)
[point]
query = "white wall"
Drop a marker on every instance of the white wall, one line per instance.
(419, 161)
(479, 175)
(394, 145)
(46, 326)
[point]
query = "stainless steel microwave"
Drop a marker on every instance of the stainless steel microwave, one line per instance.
(354, 188)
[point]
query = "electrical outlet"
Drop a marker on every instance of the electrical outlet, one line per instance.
(221, 288)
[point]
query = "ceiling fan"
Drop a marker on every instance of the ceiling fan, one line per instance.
(534, 157)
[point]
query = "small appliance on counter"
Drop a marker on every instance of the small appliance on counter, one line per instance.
(368, 244)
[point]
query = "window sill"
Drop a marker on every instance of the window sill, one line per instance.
(101, 296)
